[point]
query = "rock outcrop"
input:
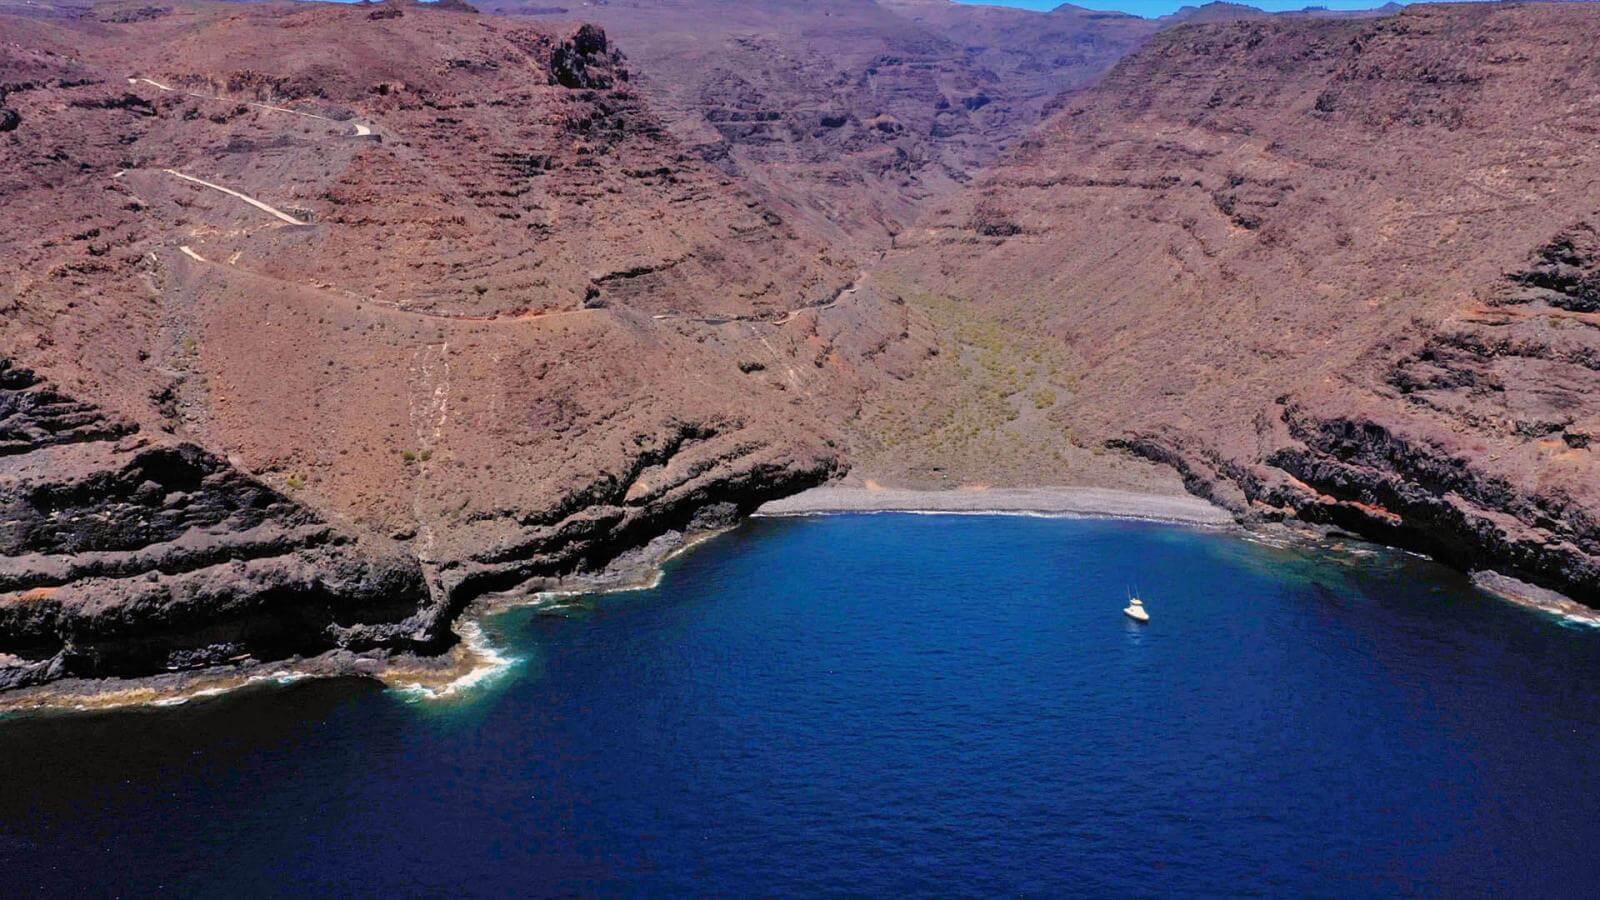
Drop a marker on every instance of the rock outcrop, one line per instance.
(125, 556)
(586, 61)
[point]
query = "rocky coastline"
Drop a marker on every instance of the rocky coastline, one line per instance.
(125, 557)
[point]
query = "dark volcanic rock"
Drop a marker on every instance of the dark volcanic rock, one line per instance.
(690, 477)
(124, 14)
(1413, 492)
(32, 415)
(123, 557)
(131, 102)
(1566, 272)
(585, 61)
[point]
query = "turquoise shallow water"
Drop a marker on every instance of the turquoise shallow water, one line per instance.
(883, 705)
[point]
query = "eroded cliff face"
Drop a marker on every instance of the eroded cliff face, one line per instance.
(322, 322)
(850, 114)
(1477, 449)
(125, 556)
(1340, 269)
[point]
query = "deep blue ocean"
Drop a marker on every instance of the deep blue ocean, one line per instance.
(882, 705)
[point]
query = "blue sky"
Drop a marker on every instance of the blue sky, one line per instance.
(1162, 7)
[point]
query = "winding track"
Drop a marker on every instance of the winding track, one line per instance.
(361, 130)
(233, 193)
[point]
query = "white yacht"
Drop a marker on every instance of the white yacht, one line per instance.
(1135, 610)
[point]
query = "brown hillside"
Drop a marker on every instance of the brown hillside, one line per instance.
(1339, 268)
(433, 288)
(849, 114)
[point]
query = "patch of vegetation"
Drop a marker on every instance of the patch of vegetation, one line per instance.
(985, 405)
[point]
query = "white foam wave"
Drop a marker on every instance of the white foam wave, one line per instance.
(488, 664)
(280, 678)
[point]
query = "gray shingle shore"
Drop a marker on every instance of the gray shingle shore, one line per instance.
(1081, 501)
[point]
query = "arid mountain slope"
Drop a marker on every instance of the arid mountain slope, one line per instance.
(1339, 268)
(323, 321)
(849, 113)
(375, 296)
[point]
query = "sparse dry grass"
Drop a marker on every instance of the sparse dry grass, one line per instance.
(982, 409)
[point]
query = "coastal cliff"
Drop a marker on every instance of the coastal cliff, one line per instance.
(122, 556)
(323, 322)
(1340, 270)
